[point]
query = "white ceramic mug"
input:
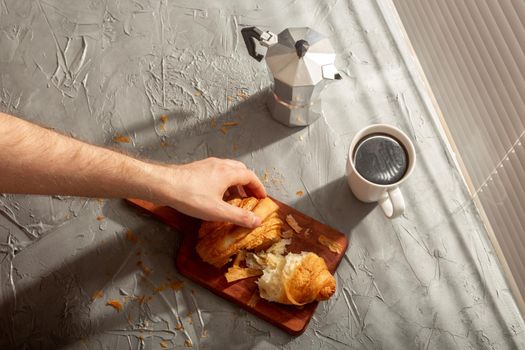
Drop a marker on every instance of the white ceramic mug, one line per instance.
(389, 196)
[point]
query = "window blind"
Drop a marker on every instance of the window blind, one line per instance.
(472, 53)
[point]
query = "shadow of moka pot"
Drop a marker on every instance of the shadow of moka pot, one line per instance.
(301, 63)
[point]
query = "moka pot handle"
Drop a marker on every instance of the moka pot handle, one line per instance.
(250, 34)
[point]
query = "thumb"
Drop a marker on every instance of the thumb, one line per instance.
(238, 216)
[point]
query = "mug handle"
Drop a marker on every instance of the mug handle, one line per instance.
(392, 203)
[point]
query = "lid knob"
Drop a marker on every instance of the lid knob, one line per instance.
(301, 46)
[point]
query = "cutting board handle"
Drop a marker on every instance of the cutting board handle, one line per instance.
(174, 218)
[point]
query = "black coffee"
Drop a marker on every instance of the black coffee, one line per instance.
(380, 159)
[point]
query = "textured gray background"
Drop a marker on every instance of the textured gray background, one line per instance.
(97, 69)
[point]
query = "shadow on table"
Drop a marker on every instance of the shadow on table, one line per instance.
(334, 204)
(55, 310)
(245, 127)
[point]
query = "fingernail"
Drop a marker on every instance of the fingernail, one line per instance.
(256, 221)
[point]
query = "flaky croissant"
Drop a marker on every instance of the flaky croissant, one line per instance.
(219, 241)
(296, 279)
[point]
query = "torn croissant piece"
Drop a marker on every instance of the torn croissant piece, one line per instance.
(236, 273)
(219, 241)
(296, 279)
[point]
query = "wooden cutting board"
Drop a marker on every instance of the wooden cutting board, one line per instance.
(289, 318)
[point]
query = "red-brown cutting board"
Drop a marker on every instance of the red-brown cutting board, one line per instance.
(289, 318)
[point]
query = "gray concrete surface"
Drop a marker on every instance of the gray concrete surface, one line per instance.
(98, 69)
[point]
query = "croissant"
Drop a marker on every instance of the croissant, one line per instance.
(296, 279)
(219, 241)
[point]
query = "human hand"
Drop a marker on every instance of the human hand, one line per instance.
(197, 189)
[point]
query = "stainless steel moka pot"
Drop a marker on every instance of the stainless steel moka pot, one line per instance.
(301, 63)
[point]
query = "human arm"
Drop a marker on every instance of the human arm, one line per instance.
(35, 160)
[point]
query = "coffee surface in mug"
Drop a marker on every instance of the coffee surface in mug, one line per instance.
(380, 159)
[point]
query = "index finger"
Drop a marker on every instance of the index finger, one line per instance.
(248, 179)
